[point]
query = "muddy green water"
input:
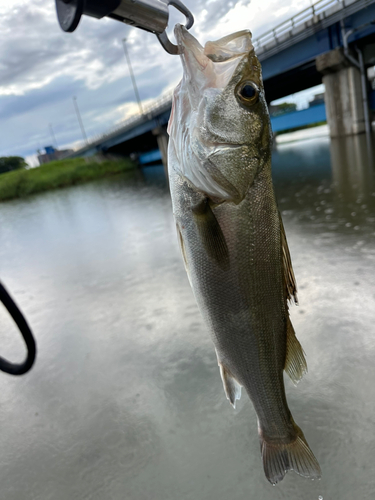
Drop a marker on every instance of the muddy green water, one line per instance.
(125, 400)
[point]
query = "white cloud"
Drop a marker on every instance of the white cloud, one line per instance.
(302, 99)
(32, 160)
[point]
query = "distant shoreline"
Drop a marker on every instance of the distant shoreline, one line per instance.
(58, 174)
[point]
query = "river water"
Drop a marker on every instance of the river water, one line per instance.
(125, 400)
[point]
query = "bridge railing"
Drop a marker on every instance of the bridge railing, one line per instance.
(149, 111)
(285, 29)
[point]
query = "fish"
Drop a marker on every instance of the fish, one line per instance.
(232, 238)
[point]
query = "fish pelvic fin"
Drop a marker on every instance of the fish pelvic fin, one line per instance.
(231, 387)
(279, 458)
(289, 278)
(183, 251)
(211, 235)
(295, 362)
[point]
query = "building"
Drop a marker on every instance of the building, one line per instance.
(52, 154)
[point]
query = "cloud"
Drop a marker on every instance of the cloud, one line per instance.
(42, 67)
(101, 108)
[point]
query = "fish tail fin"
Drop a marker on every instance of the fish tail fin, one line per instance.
(279, 458)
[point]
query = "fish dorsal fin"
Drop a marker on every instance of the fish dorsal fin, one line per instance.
(210, 234)
(295, 362)
(290, 280)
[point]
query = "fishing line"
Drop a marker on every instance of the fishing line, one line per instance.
(12, 308)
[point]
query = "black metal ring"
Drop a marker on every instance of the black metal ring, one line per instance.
(5, 365)
(167, 45)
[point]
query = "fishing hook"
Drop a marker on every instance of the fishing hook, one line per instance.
(167, 45)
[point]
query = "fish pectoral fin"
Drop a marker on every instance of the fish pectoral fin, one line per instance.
(289, 278)
(231, 387)
(295, 362)
(210, 233)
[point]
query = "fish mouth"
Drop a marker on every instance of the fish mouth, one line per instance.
(214, 64)
(228, 47)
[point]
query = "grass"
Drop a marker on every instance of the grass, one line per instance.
(57, 174)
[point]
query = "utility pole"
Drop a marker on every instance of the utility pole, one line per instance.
(52, 135)
(80, 120)
(132, 76)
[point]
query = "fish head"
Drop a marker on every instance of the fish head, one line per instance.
(219, 125)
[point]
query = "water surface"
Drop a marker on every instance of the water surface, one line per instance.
(125, 400)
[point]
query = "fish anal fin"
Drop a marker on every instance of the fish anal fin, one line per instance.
(295, 362)
(211, 235)
(231, 387)
(279, 458)
(289, 278)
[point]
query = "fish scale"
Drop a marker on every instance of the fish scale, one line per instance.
(232, 238)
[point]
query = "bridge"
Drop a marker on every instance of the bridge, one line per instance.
(331, 41)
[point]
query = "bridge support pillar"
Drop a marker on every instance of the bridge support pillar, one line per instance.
(343, 94)
(162, 138)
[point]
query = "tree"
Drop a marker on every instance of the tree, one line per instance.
(8, 163)
(281, 109)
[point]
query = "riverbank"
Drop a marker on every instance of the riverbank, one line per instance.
(57, 174)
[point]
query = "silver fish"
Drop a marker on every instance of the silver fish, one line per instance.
(232, 237)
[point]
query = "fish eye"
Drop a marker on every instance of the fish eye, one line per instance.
(248, 93)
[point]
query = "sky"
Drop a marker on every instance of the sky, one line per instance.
(42, 67)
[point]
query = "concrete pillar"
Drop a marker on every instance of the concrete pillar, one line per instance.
(162, 139)
(352, 167)
(343, 94)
